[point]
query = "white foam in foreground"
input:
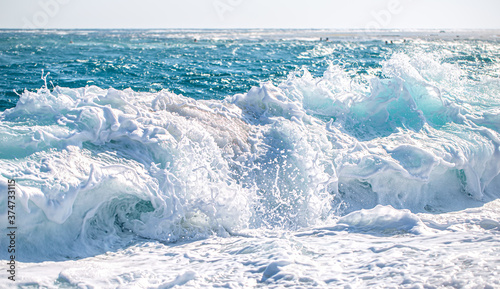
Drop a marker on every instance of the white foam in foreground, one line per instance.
(461, 254)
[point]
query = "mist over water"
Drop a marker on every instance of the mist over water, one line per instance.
(279, 149)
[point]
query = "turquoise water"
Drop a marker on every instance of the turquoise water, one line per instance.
(211, 68)
(227, 150)
(144, 61)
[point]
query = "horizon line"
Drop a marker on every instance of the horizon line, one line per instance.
(266, 28)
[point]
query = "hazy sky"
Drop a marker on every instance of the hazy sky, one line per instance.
(439, 14)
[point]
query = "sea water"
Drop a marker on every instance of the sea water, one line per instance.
(251, 158)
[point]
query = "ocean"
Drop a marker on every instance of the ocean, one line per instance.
(249, 159)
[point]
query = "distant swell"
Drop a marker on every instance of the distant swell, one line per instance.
(99, 168)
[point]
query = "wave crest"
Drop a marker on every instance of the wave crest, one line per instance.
(97, 168)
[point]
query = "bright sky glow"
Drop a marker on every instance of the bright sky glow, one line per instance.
(340, 14)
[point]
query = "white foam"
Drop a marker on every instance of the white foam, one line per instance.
(461, 254)
(384, 220)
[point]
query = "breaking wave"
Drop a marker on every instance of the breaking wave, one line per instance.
(98, 168)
